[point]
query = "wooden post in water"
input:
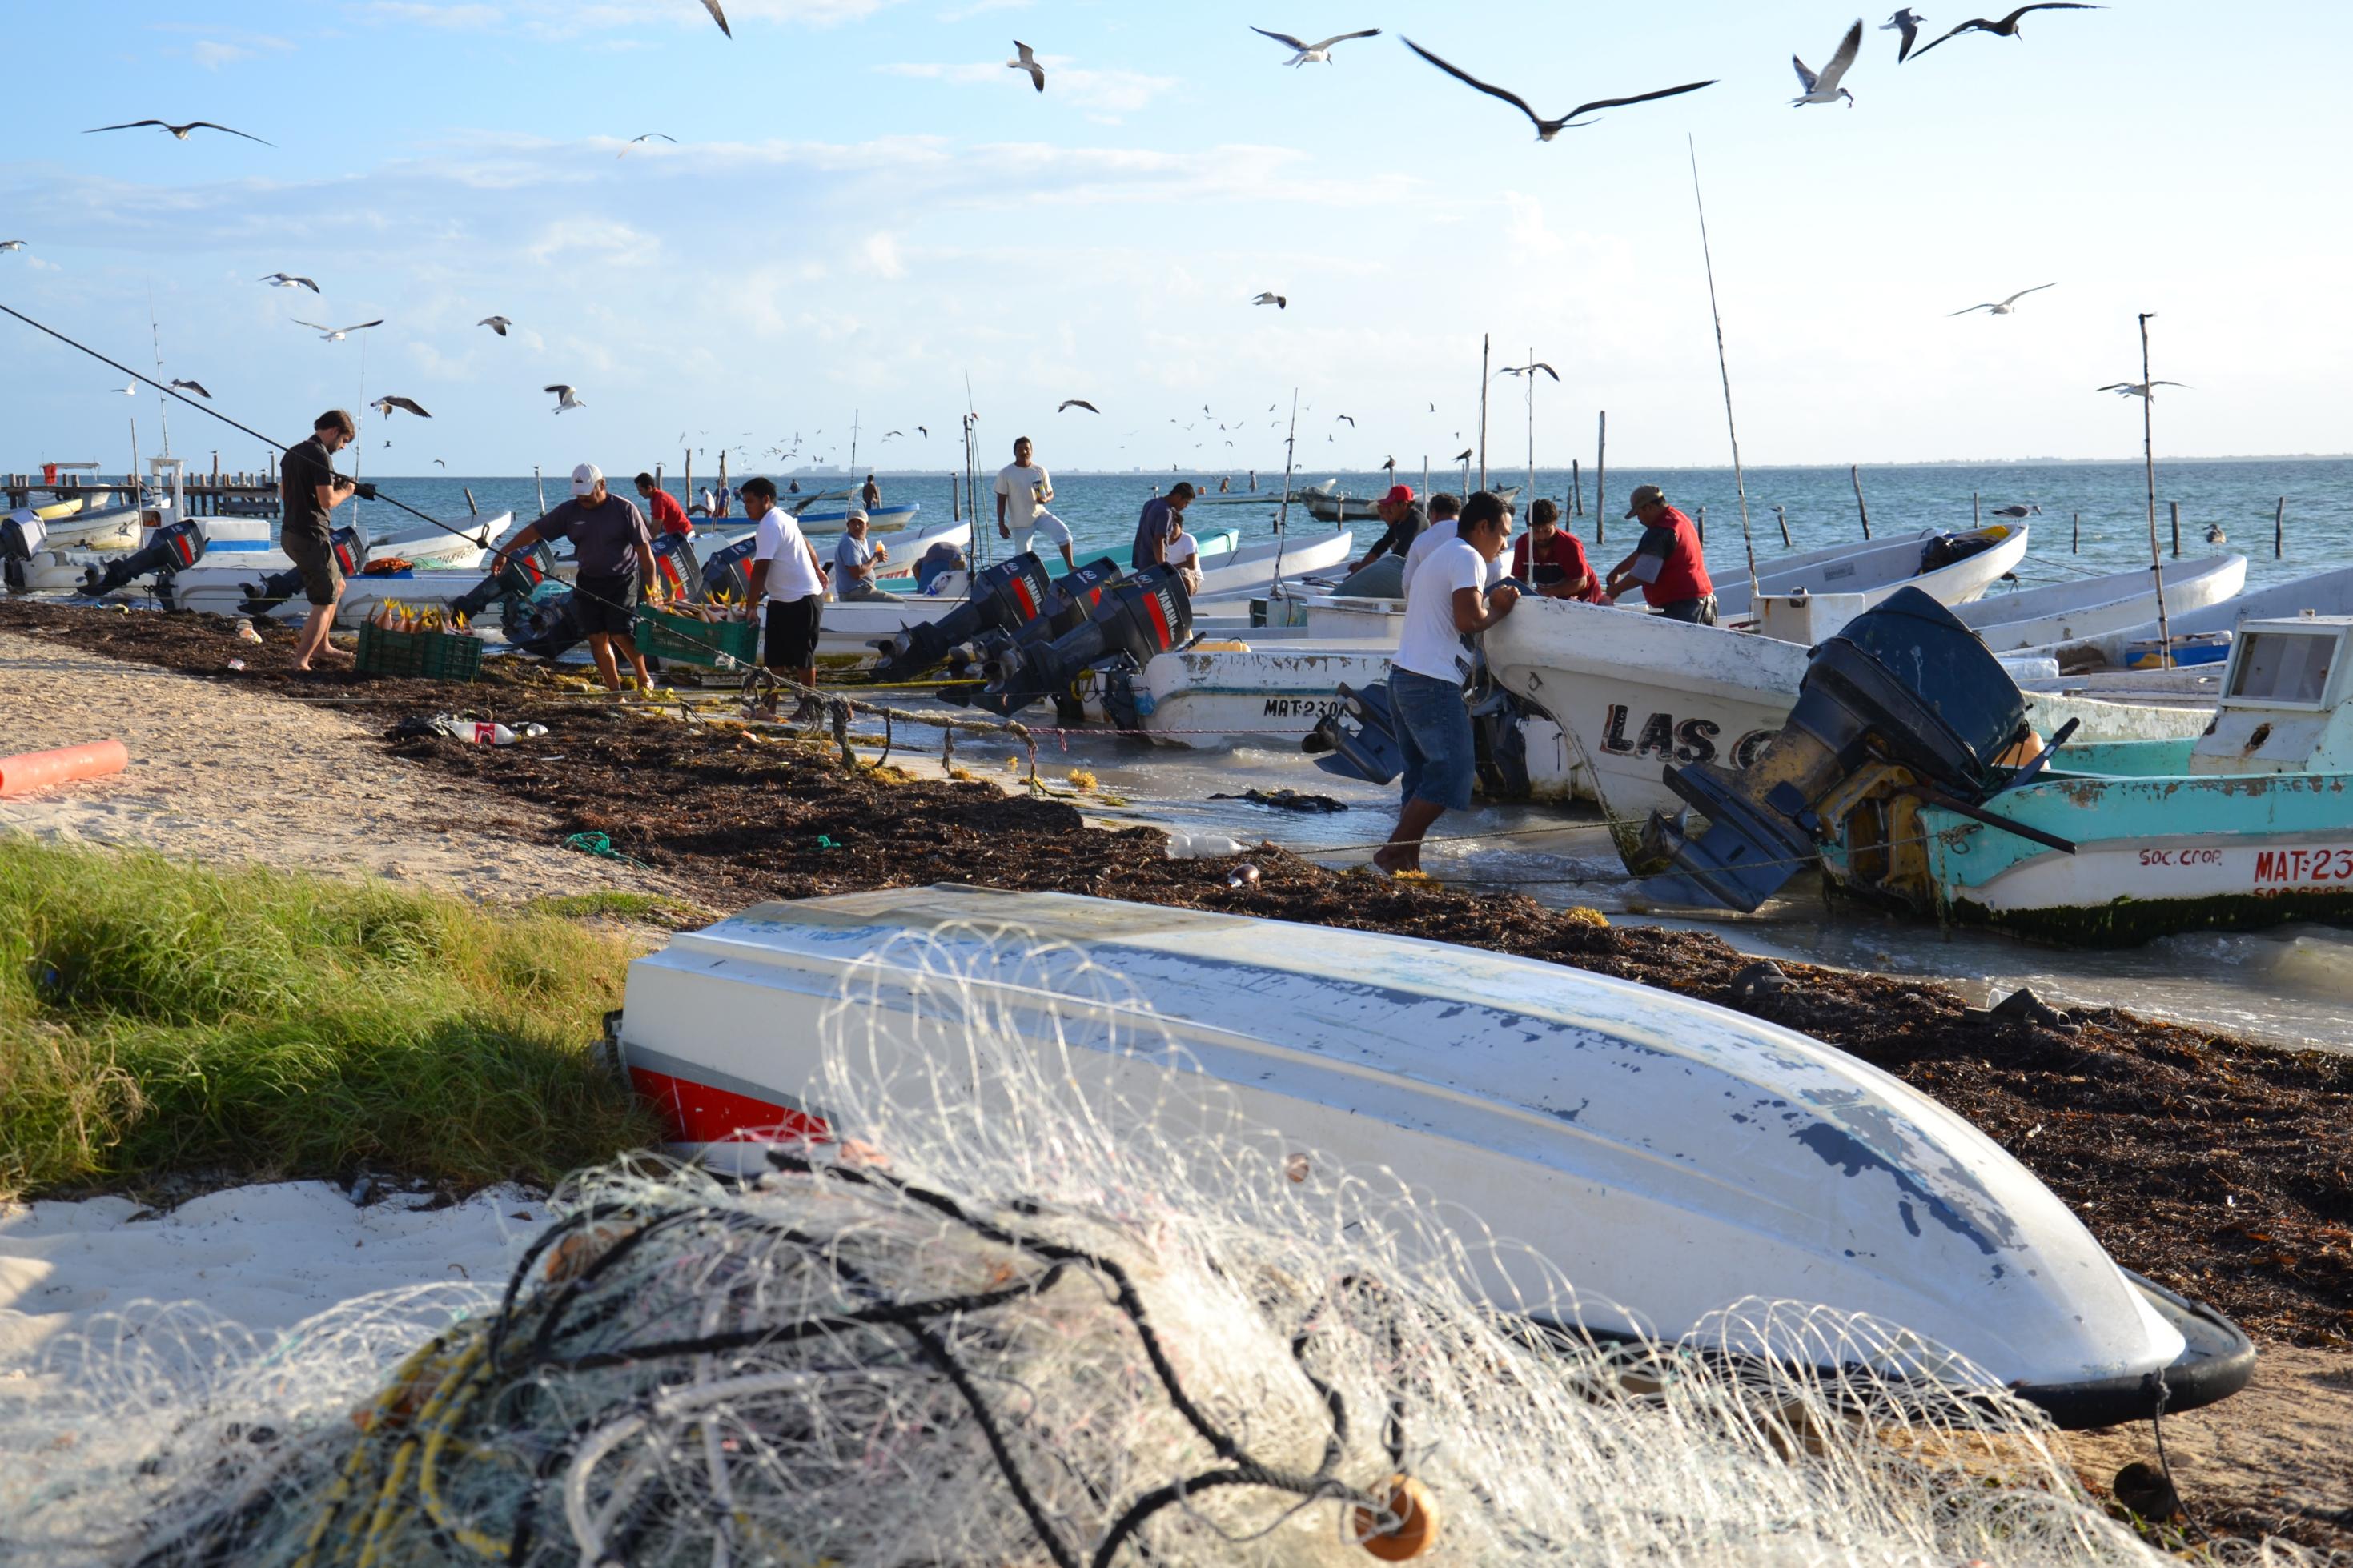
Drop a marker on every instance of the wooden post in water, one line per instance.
(719, 501)
(542, 486)
(1976, 516)
(1854, 477)
(2075, 543)
(470, 506)
(1701, 523)
(1484, 342)
(1781, 515)
(1575, 488)
(2177, 528)
(686, 479)
(2149, 468)
(955, 501)
(1425, 481)
(2279, 528)
(1602, 480)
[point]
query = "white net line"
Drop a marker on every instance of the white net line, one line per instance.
(1058, 1302)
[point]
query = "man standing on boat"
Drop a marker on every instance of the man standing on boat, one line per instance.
(1161, 517)
(871, 496)
(1445, 602)
(616, 559)
(662, 507)
(1404, 519)
(309, 490)
(1023, 489)
(1667, 563)
(854, 557)
(786, 571)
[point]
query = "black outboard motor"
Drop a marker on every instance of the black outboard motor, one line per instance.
(1370, 751)
(1905, 686)
(22, 534)
(1073, 599)
(351, 559)
(510, 587)
(1007, 595)
(1140, 617)
(175, 547)
(676, 569)
(730, 572)
(548, 629)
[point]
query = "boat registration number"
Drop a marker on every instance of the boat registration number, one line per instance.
(1301, 707)
(2274, 866)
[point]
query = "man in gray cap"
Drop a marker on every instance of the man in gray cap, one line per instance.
(1668, 563)
(616, 559)
(854, 558)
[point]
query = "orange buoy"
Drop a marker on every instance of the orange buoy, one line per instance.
(2029, 747)
(1408, 1502)
(39, 770)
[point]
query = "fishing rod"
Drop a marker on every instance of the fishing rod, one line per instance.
(1739, 481)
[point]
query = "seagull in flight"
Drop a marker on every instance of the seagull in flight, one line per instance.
(1277, 301)
(1528, 369)
(11, 244)
(191, 386)
(1078, 403)
(2138, 388)
(439, 464)
(719, 17)
(566, 399)
(385, 405)
(923, 431)
(649, 136)
(1548, 128)
(498, 324)
(2008, 26)
(337, 334)
(1462, 457)
(1026, 61)
(1313, 54)
(288, 280)
(1907, 22)
(129, 391)
(2010, 305)
(180, 132)
(1825, 88)
(1352, 423)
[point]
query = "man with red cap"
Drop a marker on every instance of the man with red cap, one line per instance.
(1667, 562)
(1404, 520)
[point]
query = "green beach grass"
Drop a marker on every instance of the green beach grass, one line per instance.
(158, 1018)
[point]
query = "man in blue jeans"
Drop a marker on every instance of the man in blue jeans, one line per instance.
(1445, 603)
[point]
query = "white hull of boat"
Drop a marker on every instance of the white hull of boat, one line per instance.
(1251, 568)
(833, 517)
(2068, 612)
(1808, 617)
(1249, 696)
(222, 582)
(1662, 1158)
(2322, 594)
(445, 552)
(115, 529)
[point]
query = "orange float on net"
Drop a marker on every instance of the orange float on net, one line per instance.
(1415, 1530)
(39, 770)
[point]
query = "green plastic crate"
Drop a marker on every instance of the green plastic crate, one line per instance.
(432, 656)
(683, 639)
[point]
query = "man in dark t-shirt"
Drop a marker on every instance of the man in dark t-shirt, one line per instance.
(309, 490)
(1161, 517)
(614, 557)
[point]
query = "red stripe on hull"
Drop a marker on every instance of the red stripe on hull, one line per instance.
(698, 1113)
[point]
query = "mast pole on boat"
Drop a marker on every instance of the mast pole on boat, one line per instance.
(853, 446)
(2149, 468)
(1283, 513)
(1601, 479)
(1739, 480)
(163, 404)
(1484, 342)
(1530, 377)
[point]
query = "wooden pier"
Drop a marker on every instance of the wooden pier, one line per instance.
(216, 493)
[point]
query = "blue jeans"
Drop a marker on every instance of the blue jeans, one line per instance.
(1434, 729)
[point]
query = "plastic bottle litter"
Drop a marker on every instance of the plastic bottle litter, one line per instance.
(239, 663)
(532, 731)
(479, 733)
(246, 633)
(1201, 847)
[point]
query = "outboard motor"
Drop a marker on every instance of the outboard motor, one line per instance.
(1140, 617)
(1370, 751)
(509, 586)
(1007, 595)
(730, 572)
(1905, 686)
(676, 568)
(175, 547)
(547, 628)
(22, 534)
(351, 560)
(1067, 606)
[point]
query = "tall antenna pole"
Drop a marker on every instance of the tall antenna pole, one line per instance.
(1530, 376)
(1740, 480)
(163, 404)
(853, 444)
(1282, 514)
(1483, 340)
(2149, 468)
(356, 444)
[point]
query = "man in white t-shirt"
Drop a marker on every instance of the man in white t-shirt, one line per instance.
(854, 557)
(1446, 601)
(1183, 552)
(1023, 489)
(1445, 513)
(785, 570)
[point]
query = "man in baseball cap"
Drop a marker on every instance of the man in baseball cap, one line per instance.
(1668, 563)
(1404, 517)
(616, 557)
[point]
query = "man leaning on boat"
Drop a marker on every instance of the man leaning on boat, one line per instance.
(1667, 563)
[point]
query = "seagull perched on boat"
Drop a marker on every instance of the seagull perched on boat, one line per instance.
(1907, 22)
(288, 280)
(1313, 54)
(649, 136)
(337, 334)
(1548, 128)
(385, 405)
(1277, 301)
(1078, 403)
(566, 399)
(1026, 61)
(11, 244)
(2008, 26)
(2015, 511)
(1825, 88)
(179, 133)
(2214, 534)
(2010, 305)
(2138, 388)
(190, 386)
(498, 324)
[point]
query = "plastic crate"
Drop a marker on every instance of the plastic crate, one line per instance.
(683, 639)
(431, 656)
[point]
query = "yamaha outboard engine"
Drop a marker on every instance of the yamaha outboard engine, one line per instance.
(1006, 596)
(1370, 751)
(676, 569)
(175, 547)
(509, 586)
(1072, 600)
(1905, 686)
(22, 534)
(730, 571)
(351, 559)
(547, 628)
(1140, 617)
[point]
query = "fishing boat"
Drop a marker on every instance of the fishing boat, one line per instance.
(1251, 568)
(107, 529)
(2066, 612)
(1663, 1157)
(58, 509)
(1325, 503)
(830, 514)
(1224, 691)
(233, 578)
(2204, 634)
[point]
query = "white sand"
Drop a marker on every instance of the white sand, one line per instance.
(221, 774)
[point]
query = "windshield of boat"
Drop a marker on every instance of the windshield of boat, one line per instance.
(2284, 666)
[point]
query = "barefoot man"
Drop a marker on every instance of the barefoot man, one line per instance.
(309, 490)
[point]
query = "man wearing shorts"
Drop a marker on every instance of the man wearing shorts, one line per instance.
(309, 490)
(1445, 602)
(614, 555)
(784, 569)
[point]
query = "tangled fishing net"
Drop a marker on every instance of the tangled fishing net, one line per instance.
(1018, 1321)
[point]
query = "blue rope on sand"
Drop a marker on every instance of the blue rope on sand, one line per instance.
(600, 845)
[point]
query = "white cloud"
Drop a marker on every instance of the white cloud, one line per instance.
(882, 251)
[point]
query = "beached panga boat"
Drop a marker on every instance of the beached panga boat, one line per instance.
(110, 529)
(229, 584)
(1664, 1157)
(2063, 612)
(2321, 593)
(1225, 691)
(57, 511)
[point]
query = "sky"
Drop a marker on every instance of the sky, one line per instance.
(863, 208)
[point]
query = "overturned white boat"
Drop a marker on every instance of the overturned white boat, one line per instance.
(1666, 1157)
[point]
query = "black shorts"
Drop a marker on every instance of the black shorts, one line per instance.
(322, 575)
(605, 606)
(792, 632)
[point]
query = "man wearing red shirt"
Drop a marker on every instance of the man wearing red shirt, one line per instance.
(1549, 559)
(1667, 563)
(662, 507)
